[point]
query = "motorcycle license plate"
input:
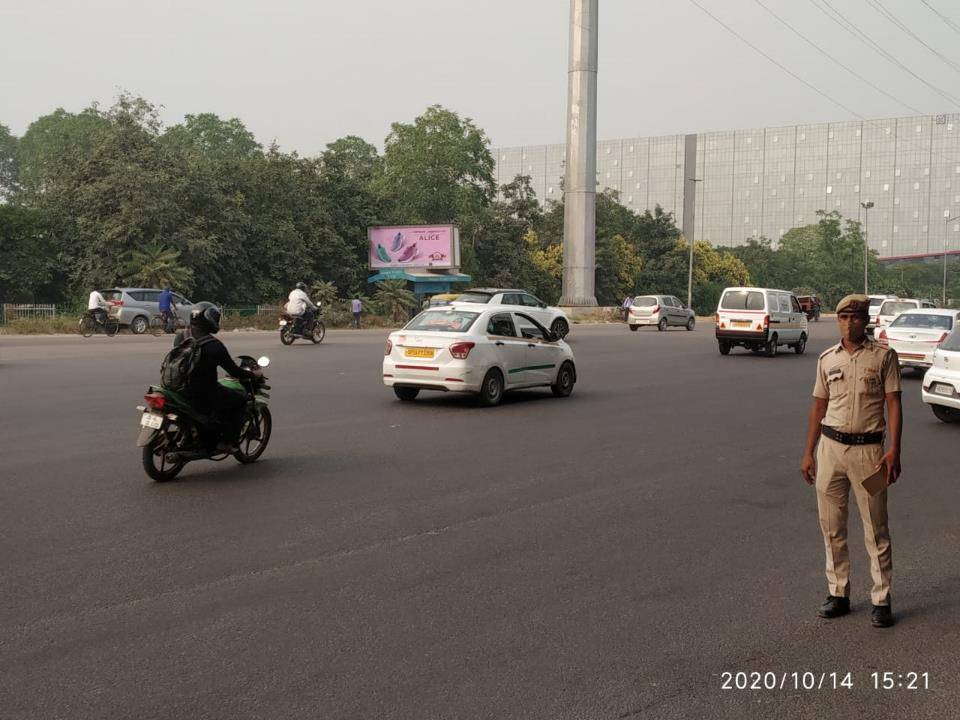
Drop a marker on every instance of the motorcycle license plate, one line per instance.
(151, 420)
(282, 323)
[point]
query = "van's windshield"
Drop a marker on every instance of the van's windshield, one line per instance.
(742, 300)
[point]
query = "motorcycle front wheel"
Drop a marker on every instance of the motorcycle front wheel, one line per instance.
(254, 437)
(155, 457)
(319, 332)
(286, 335)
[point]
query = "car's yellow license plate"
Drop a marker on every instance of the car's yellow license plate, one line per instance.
(740, 323)
(418, 352)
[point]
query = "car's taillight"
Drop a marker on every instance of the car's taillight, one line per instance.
(389, 348)
(766, 322)
(155, 401)
(656, 309)
(716, 318)
(117, 303)
(882, 335)
(942, 338)
(460, 350)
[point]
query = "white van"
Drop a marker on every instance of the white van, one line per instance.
(760, 319)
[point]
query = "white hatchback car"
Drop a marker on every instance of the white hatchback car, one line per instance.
(474, 349)
(915, 334)
(941, 383)
(550, 317)
(889, 309)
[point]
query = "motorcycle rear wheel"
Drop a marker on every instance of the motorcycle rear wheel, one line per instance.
(253, 440)
(155, 459)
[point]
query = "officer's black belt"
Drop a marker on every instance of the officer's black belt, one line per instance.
(852, 438)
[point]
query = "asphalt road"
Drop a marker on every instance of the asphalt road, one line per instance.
(607, 555)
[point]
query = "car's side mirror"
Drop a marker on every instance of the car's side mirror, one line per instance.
(542, 305)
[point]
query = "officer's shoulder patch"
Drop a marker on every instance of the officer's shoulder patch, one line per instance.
(829, 350)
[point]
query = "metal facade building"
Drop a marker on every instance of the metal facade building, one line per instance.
(764, 182)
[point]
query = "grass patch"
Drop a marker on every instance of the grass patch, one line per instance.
(62, 324)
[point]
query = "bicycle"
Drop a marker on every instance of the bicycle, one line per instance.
(159, 324)
(89, 325)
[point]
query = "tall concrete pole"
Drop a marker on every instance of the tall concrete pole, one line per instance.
(580, 183)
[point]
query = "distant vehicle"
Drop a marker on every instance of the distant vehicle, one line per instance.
(941, 383)
(916, 334)
(889, 309)
(476, 349)
(811, 305)
(661, 311)
(443, 299)
(761, 320)
(875, 302)
(550, 317)
(135, 307)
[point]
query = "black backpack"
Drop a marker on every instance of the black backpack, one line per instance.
(178, 366)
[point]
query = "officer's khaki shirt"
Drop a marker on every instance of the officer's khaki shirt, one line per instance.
(855, 386)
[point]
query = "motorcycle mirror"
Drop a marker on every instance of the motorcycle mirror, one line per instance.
(263, 361)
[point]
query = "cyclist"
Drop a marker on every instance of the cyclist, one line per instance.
(96, 307)
(168, 308)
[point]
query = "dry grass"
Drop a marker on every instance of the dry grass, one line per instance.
(62, 324)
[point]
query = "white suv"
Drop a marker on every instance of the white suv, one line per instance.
(550, 317)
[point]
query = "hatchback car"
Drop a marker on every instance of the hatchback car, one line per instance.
(550, 317)
(135, 307)
(889, 309)
(941, 383)
(661, 311)
(915, 335)
(471, 349)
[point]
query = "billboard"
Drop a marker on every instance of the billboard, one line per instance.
(414, 246)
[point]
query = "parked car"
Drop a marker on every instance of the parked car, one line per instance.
(761, 320)
(875, 302)
(550, 317)
(889, 309)
(915, 334)
(661, 311)
(941, 383)
(134, 307)
(475, 349)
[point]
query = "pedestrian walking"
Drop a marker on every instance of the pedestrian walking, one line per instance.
(625, 308)
(857, 379)
(357, 307)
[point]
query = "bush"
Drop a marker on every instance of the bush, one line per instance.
(62, 324)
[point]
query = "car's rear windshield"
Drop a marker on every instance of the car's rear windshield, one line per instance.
(894, 307)
(953, 341)
(443, 321)
(109, 295)
(742, 300)
(475, 297)
(645, 301)
(923, 321)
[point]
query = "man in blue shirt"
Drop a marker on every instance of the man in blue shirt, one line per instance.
(167, 307)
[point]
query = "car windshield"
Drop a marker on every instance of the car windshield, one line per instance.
(895, 307)
(742, 300)
(923, 321)
(647, 301)
(952, 342)
(457, 321)
(474, 297)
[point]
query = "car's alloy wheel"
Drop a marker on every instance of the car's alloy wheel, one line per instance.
(560, 328)
(491, 390)
(690, 323)
(566, 378)
(662, 325)
(139, 325)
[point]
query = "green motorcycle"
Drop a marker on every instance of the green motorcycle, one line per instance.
(172, 433)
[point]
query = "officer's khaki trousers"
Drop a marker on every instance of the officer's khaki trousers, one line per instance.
(838, 468)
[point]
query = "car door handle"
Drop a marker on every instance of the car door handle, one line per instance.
(499, 342)
(531, 344)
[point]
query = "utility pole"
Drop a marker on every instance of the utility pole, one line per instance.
(946, 228)
(580, 182)
(690, 240)
(866, 220)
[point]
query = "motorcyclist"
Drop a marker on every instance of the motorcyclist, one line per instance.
(206, 394)
(301, 308)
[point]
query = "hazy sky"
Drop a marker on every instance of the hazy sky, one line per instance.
(305, 72)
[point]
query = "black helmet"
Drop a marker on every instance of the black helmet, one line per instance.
(205, 316)
(301, 286)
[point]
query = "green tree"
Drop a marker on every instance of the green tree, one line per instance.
(395, 299)
(153, 265)
(208, 135)
(324, 293)
(27, 271)
(617, 268)
(8, 163)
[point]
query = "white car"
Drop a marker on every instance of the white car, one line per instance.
(941, 383)
(915, 334)
(475, 349)
(889, 309)
(550, 317)
(875, 302)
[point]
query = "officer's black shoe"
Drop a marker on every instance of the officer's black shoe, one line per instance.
(834, 607)
(882, 616)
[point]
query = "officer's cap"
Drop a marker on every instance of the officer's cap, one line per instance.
(854, 303)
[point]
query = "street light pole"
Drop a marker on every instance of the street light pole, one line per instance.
(690, 264)
(946, 228)
(866, 226)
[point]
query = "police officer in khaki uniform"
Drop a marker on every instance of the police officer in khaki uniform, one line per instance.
(856, 379)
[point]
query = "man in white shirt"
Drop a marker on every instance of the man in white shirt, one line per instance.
(96, 305)
(301, 307)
